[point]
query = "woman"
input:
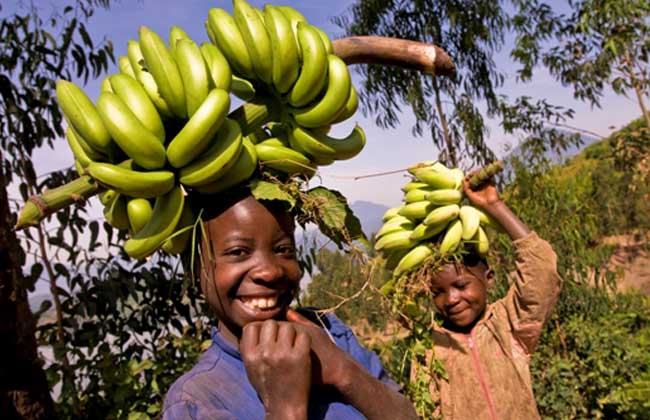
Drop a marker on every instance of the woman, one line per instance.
(267, 360)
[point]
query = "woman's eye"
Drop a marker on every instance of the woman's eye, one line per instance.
(235, 252)
(286, 250)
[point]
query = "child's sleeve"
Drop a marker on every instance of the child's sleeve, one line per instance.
(533, 295)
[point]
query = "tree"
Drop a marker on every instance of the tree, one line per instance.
(470, 32)
(599, 43)
(32, 58)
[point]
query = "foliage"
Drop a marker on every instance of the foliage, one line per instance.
(470, 32)
(599, 44)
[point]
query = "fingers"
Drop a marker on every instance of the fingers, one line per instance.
(293, 316)
(250, 337)
(286, 333)
(269, 332)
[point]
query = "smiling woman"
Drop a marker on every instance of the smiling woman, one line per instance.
(266, 359)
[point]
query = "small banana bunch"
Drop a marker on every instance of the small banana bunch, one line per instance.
(275, 52)
(432, 216)
(162, 125)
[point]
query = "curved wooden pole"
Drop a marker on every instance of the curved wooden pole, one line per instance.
(414, 55)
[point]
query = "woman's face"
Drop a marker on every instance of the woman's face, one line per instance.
(251, 273)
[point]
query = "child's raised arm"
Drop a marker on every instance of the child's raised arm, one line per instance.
(487, 198)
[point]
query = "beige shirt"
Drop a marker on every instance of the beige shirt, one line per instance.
(488, 368)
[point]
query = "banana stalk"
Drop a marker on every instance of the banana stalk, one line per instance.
(485, 174)
(39, 207)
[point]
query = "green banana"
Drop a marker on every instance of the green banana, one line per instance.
(78, 150)
(395, 224)
(443, 197)
(327, 42)
(199, 131)
(390, 213)
(83, 116)
(164, 219)
(415, 185)
(471, 220)
(139, 212)
(350, 107)
(294, 17)
(145, 78)
(162, 66)
(129, 133)
(242, 88)
(130, 182)
(286, 63)
(79, 167)
(259, 135)
(442, 214)
(458, 176)
(482, 242)
(284, 159)
(176, 33)
(107, 197)
(323, 146)
(241, 171)
(125, 67)
(422, 231)
(135, 97)
(417, 210)
(194, 74)
(413, 259)
(394, 241)
(217, 160)
(105, 86)
(277, 142)
(451, 239)
(218, 67)
(417, 194)
(230, 41)
(436, 178)
(428, 165)
(179, 241)
(330, 105)
(256, 37)
(115, 213)
(313, 72)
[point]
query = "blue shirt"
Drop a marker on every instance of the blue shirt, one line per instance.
(217, 386)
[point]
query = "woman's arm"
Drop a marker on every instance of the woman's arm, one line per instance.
(333, 366)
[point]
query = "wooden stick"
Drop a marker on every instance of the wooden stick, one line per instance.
(414, 55)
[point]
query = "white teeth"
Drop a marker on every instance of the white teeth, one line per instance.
(260, 302)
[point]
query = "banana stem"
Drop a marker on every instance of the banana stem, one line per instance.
(253, 114)
(414, 55)
(39, 207)
(485, 173)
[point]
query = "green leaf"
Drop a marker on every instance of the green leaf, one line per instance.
(330, 211)
(138, 415)
(264, 190)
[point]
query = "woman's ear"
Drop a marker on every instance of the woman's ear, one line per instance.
(489, 277)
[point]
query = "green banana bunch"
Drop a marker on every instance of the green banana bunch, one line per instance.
(432, 220)
(160, 124)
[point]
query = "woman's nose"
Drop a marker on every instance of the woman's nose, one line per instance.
(267, 268)
(452, 298)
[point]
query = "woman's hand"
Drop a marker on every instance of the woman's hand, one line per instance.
(328, 360)
(277, 358)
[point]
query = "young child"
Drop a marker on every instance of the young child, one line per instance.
(267, 360)
(486, 349)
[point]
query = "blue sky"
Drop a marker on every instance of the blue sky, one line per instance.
(386, 149)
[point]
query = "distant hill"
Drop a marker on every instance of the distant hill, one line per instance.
(559, 157)
(370, 215)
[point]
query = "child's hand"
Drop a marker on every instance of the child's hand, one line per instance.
(278, 364)
(329, 360)
(485, 196)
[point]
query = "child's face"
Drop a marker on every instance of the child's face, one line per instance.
(460, 293)
(254, 273)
